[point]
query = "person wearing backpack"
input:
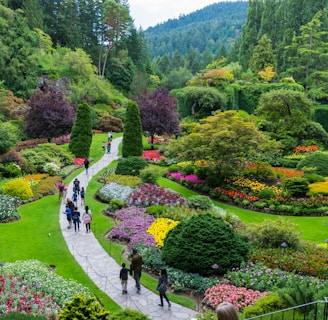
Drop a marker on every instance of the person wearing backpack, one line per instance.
(74, 197)
(68, 213)
(76, 219)
(76, 187)
(162, 287)
(82, 195)
(87, 218)
(61, 187)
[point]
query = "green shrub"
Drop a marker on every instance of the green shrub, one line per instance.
(200, 202)
(313, 177)
(188, 169)
(125, 180)
(259, 204)
(61, 155)
(116, 204)
(129, 314)
(173, 168)
(10, 170)
(155, 211)
(204, 244)
(272, 233)
(83, 308)
(296, 186)
(208, 315)
(22, 316)
(131, 166)
(288, 163)
(266, 193)
(18, 188)
(245, 203)
(316, 159)
(269, 303)
(150, 175)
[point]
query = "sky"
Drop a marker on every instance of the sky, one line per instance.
(148, 13)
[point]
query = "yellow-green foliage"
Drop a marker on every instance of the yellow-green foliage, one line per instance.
(125, 180)
(83, 308)
(319, 188)
(18, 188)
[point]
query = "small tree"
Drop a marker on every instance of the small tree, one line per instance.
(132, 134)
(81, 135)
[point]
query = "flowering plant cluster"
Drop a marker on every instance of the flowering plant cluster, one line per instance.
(8, 205)
(239, 297)
(159, 229)
(61, 140)
(133, 226)
(152, 155)
(179, 213)
(234, 194)
(163, 139)
(34, 179)
(32, 281)
(253, 185)
(151, 194)
(259, 277)
(125, 180)
(285, 173)
(29, 143)
(319, 188)
(305, 149)
(114, 190)
(177, 176)
(79, 161)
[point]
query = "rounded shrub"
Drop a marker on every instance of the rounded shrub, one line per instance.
(296, 186)
(188, 169)
(275, 233)
(173, 168)
(11, 170)
(18, 188)
(129, 314)
(200, 202)
(116, 204)
(204, 244)
(131, 166)
(316, 159)
(266, 193)
(155, 210)
(150, 175)
(313, 177)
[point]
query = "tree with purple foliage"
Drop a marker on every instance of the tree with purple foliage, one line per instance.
(158, 113)
(49, 115)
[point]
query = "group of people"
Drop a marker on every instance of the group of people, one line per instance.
(109, 143)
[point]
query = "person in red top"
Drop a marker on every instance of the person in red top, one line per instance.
(61, 188)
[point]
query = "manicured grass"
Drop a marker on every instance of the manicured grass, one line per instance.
(313, 229)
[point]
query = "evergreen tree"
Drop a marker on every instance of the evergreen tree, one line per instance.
(262, 55)
(81, 135)
(132, 134)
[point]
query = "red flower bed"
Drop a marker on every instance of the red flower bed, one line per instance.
(152, 155)
(79, 161)
(304, 149)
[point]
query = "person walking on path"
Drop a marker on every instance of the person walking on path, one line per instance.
(74, 197)
(76, 219)
(82, 195)
(61, 187)
(108, 147)
(87, 218)
(124, 278)
(76, 185)
(162, 287)
(68, 213)
(226, 311)
(136, 267)
(103, 146)
(86, 165)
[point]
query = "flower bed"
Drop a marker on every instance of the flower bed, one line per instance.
(114, 190)
(177, 176)
(8, 208)
(152, 155)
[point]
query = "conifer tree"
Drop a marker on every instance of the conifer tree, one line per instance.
(132, 134)
(81, 135)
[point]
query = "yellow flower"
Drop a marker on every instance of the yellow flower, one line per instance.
(159, 229)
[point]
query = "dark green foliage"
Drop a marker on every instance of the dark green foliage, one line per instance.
(313, 177)
(296, 186)
(131, 166)
(116, 204)
(156, 211)
(81, 135)
(200, 202)
(266, 193)
(150, 175)
(132, 134)
(83, 308)
(173, 168)
(316, 159)
(10, 170)
(129, 314)
(288, 163)
(188, 169)
(22, 316)
(321, 116)
(204, 244)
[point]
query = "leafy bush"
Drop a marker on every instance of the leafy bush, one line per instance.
(296, 186)
(316, 159)
(131, 166)
(200, 202)
(266, 193)
(46, 186)
(208, 315)
(51, 168)
(129, 314)
(150, 175)
(114, 190)
(173, 168)
(313, 177)
(10, 170)
(125, 180)
(18, 188)
(205, 245)
(83, 308)
(188, 169)
(269, 303)
(155, 210)
(22, 316)
(8, 206)
(273, 233)
(116, 204)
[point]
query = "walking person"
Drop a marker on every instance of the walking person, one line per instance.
(136, 267)
(103, 146)
(82, 195)
(86, 165)
(124, 278)
(76, 185)
(74, 197)
(87, 218)
(162, 287)
(108, 147)
(76, 219)
(226, 311)
(68, 213)
(61, 187)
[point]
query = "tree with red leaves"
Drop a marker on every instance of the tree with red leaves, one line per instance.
(49, 115)
(158, 113)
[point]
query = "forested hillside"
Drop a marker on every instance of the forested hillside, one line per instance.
(209, 29)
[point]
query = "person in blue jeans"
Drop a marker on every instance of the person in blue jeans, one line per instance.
(76, 219)
(136, 267)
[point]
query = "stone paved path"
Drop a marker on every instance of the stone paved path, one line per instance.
(102, 269)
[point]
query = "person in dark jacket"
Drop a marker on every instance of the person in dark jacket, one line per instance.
(124, 278)
(136, 267)
(162, 287)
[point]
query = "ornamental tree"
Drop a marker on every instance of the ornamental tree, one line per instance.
(158, 113)
(49, 115)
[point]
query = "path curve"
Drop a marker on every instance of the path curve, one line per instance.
(103, 269)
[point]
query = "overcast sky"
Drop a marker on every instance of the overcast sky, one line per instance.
(147, 13)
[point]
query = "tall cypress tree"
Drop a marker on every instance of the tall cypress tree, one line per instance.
(132, 134)
(81, 135)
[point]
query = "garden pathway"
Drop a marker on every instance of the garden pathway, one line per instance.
(102, 269)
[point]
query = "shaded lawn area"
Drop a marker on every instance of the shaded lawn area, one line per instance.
(313, 229)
